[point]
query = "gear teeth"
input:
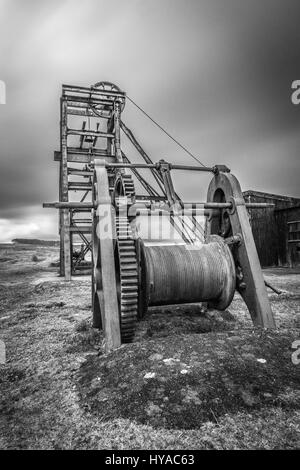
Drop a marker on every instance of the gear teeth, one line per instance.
(127, 262)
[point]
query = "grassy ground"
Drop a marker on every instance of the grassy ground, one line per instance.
(191, 380)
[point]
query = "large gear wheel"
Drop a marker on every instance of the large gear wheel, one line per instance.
(126, 259)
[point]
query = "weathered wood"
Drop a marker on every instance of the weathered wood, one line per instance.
(65, 219)
(78, 186)
(83, 157)
(81, 229)
(106, 289)
(269, 227)
(97, 102)
(79, 206)
(81, 221)
(84, 173)
(288, 235)
(117, 128)
(81, 111)
(108, 103)
(84, 132)
(91, 90)
(225, 187)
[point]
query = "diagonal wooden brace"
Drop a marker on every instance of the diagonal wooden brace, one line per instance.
(224, 187)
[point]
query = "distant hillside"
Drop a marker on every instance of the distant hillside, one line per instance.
(35, 241)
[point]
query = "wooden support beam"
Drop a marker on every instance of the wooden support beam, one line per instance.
(76, 172)
(80, 267)
(104, 264)
(85, 133)
(86, 112)
(83, 156)
(250, 281)
(80, 229)
(79, 206)
(83, 184)
(81, 221)
(92, 91)
(65, 218)
(149, 189)
(78, 187)
(81, 99)
(143, 154)
(117, 129)
(82, 210)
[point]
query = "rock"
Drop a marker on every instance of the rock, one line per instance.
(170, 361)
(190, 396)
(149, 375)
(233, 338)
(162, 379)
(210, 313)
(248, 356)
(155, 357)
(153, 409)
(248, 398)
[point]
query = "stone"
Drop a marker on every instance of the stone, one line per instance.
(155, 357)
(149, 375)
(152, 409)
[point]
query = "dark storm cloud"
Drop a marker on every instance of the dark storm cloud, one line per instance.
(268, 59)
(253, 56)
(217, 73)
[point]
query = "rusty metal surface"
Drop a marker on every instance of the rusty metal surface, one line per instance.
(186, 274)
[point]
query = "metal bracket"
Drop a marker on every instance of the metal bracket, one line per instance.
(220, 168)
(165, 170)
(234, 203)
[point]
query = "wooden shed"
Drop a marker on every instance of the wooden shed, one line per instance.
(276, 231)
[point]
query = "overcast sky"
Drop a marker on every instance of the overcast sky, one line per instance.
(216, 73)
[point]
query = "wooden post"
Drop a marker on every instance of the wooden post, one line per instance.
(105, 276)
(60, 220)
(117, 126)
(65, 218)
